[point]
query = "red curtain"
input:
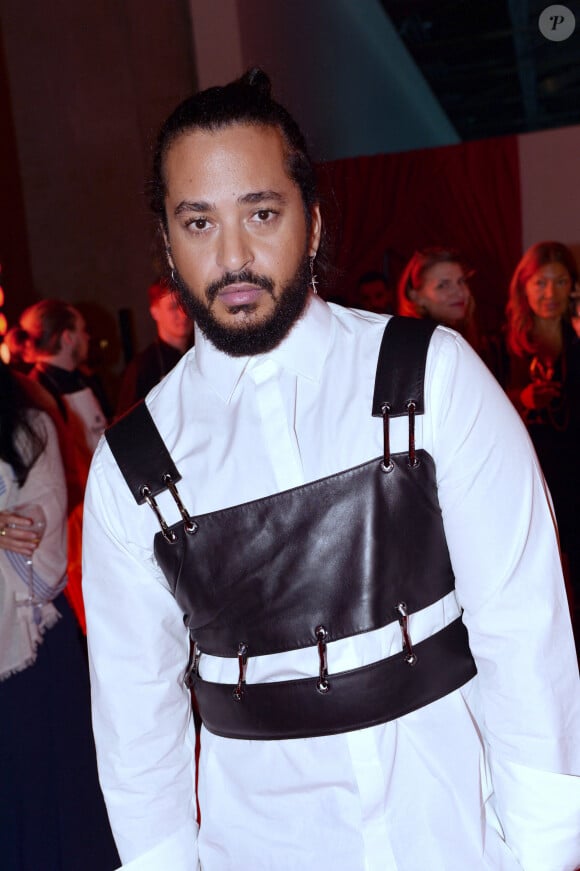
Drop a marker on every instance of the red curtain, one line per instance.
(379, 209)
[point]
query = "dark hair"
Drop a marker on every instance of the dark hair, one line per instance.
(520, 318)
(414, 273)
(20, 443)
(371, 277)
(247, 100)
(45, 322)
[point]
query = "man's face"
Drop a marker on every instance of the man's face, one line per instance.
(237, 235)
(173, 324)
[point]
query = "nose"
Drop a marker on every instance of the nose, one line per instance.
(234, 251)
(549, 289)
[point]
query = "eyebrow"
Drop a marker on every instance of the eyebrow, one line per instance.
(246, 199)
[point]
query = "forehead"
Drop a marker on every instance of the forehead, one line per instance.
(443, 270)
(551, 270)
(230, 161)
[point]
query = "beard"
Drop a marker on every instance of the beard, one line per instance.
(248, 338)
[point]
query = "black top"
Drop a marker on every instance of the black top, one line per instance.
(58, 382)
(145, 371)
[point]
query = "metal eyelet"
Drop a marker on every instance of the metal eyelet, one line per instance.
(190, 525)
(238, 693)
(387, 464)
(413, 461)
(403, 616)
(193, 670)
(168, 534)
(322, 684)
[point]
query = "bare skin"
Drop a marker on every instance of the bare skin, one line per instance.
(15, 534)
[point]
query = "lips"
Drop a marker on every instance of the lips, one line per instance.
(240, 294)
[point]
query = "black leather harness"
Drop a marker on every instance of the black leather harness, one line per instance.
(328, 560)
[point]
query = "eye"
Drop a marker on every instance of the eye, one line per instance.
(264, 216)
(197, 224)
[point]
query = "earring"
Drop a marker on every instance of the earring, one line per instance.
(313, 278)
(173, 280)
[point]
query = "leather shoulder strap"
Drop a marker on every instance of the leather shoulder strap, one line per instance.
(401, 365)
(140, 452)
(144, 459)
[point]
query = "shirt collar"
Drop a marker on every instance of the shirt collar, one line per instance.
(303, 351)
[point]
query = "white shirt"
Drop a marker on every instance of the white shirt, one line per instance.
(482, 778)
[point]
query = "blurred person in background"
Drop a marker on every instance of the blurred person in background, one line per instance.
(434, 285)
(60, 341)
(174, 337)
(544, 382)
(52, 812)
(20, 351)
(374, 293)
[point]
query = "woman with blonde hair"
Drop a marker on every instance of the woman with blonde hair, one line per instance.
(544, 380)
(435, 285)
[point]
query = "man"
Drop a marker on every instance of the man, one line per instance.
(60, 343)
(374, 293)
(453, 772)
(58, 335)
(174, 337)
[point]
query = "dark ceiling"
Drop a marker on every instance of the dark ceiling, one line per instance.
(488, 64)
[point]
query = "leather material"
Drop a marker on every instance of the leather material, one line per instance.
(140, 452)
(401, 366)
(342, 552)
(376, 693)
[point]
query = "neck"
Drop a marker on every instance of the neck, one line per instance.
(61, 360)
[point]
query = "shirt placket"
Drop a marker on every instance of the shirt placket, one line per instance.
(280, 442)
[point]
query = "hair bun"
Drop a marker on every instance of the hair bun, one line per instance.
(258, 79)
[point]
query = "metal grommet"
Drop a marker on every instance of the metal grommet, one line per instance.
(191, 526)
(388, 468)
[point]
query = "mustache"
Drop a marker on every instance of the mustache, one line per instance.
(246, 276)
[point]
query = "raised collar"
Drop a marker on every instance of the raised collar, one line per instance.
(303, 352)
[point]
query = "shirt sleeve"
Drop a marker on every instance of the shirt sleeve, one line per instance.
(503, 546)
(45, 486)
(138, 651)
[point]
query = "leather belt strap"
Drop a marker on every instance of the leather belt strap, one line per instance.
(356, 699)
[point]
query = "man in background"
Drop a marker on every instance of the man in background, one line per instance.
(174, 337)
(57, 336)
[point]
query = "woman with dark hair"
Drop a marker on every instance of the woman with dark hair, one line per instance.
(544, 380)
(434, 285)
(52, 814)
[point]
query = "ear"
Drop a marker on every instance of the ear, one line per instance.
(154, 311)
(315, 230)
(168, 253)
(413, 294)
(65, 338)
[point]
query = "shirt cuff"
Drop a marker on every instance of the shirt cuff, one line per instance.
(178, 852)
